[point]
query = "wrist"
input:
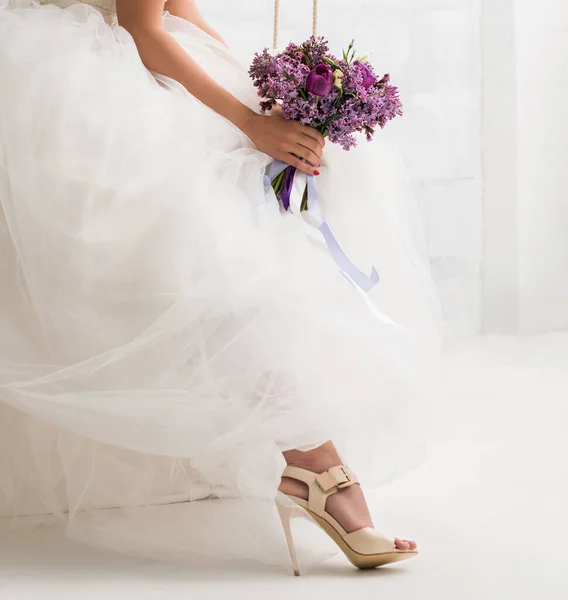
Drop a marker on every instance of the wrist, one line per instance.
(244, 120)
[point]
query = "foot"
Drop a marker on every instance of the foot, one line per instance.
(348, 506)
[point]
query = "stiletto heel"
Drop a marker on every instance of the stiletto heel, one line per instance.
(286, 514)
(366, 548)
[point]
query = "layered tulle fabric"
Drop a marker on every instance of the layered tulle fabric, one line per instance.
(165, 331)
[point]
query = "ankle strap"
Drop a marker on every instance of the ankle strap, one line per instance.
(322, 485)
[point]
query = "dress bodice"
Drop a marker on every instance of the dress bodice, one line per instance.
(106, 7)
(102, 5)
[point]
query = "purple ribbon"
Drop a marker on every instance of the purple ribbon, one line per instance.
(353, 274)
(286, 193)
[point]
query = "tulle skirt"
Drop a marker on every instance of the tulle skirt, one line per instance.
(165, 330)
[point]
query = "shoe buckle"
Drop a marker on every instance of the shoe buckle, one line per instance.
(336, 478)
(346, 478)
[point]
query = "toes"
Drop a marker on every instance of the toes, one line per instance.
(401, 544)
(405, 544)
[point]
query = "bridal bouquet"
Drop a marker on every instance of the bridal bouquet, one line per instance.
(337, 96)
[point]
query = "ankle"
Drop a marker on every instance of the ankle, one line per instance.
(318, 460)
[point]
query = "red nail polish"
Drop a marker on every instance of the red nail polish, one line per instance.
(316, 172)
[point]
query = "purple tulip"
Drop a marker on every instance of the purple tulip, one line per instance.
(320, 80)
(368, 77)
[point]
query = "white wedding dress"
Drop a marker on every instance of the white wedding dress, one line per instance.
(165, 330)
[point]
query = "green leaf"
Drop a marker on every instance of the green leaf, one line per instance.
(331, 62)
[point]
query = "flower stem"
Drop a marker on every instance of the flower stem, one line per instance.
(304, 204)
(278, 183)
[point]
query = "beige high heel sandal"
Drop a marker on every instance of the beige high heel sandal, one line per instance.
(366, 548)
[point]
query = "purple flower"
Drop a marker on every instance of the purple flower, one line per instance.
(368, 76)
(320, 80)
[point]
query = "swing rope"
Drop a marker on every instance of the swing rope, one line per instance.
(277, 21)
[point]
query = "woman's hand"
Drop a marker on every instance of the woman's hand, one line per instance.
(286, 140)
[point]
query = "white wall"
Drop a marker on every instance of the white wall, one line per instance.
(499, 161)
(442, 144)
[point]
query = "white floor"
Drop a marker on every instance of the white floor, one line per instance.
(488, 508)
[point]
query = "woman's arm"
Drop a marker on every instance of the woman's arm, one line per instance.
(159, 51)
(186, 9)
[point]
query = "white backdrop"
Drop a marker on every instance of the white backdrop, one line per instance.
(484, 138)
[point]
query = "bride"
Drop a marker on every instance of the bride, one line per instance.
(166, 332)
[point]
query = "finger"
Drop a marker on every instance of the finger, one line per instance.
(299, 164)
(311, 145)
(307, 155)
(314, 134)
